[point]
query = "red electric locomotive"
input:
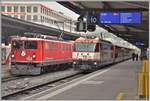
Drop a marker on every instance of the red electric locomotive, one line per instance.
(32, 55)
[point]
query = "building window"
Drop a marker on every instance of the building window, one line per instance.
(16, 16)
(45, 19)
(51, 21)
(3, 8)
(22, 9)
(35, 17)
(29, 9)
(15, 8)
(8, 8)
(41, 10)
(35, 9)
(22, 17)
(45, 11)
(28, 17)
(48, 12)
(42, 20)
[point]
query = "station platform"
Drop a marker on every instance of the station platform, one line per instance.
(119, 81)
(5, 71)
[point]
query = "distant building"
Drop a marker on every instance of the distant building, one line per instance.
(38, 13)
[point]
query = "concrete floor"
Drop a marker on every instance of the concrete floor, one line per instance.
(5, 71)
(107, 84)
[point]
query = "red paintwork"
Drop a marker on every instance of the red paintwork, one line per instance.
(44, 53)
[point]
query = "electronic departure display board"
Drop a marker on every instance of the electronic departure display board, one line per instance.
(119, 17)
(130, 17)
(109, 18)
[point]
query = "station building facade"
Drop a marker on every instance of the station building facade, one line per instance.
(40, 14)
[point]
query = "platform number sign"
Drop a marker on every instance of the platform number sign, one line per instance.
(93, 19)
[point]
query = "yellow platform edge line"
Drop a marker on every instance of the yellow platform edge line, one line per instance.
(120, 96)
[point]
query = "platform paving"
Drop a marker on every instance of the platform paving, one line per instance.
(5, 71)
(107, 84)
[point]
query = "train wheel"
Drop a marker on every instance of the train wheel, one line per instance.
(42, 70)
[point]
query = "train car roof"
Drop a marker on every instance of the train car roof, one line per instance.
(38, 39)
(95, 40)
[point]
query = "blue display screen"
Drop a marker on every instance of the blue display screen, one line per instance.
(109, 17)
(139, 43)
(128, 17)
(120, 18)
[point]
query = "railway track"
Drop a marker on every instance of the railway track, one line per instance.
(18, 87)
(12, 78)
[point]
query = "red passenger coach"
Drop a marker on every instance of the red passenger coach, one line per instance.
(33, 56)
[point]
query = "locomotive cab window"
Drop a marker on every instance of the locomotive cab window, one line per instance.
(17, 44)
(30, 45)
(85, 47)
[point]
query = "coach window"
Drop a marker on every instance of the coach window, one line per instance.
(47, 46)
(53, 46)
(64, 47)
(30, 45)
(9, 8)
(22, 9)
(67, 47)
(29, 9)
(3, 8)
(15, 8)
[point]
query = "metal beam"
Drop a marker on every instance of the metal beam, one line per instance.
(138, 4)
(115, 9)
(141, 27)
(70, 6)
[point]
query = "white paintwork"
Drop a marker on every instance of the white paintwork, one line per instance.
(86, 55)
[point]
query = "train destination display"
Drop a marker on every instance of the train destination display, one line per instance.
(119, 18)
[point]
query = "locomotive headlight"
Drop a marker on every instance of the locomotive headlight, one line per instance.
(34, 56)
(12, 55)
(74, 62)
(95, 63)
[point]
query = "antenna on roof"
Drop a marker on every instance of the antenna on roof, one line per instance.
(31, 34)
(39, 35)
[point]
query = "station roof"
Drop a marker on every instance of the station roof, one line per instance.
(19, 27)
(130, 33)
